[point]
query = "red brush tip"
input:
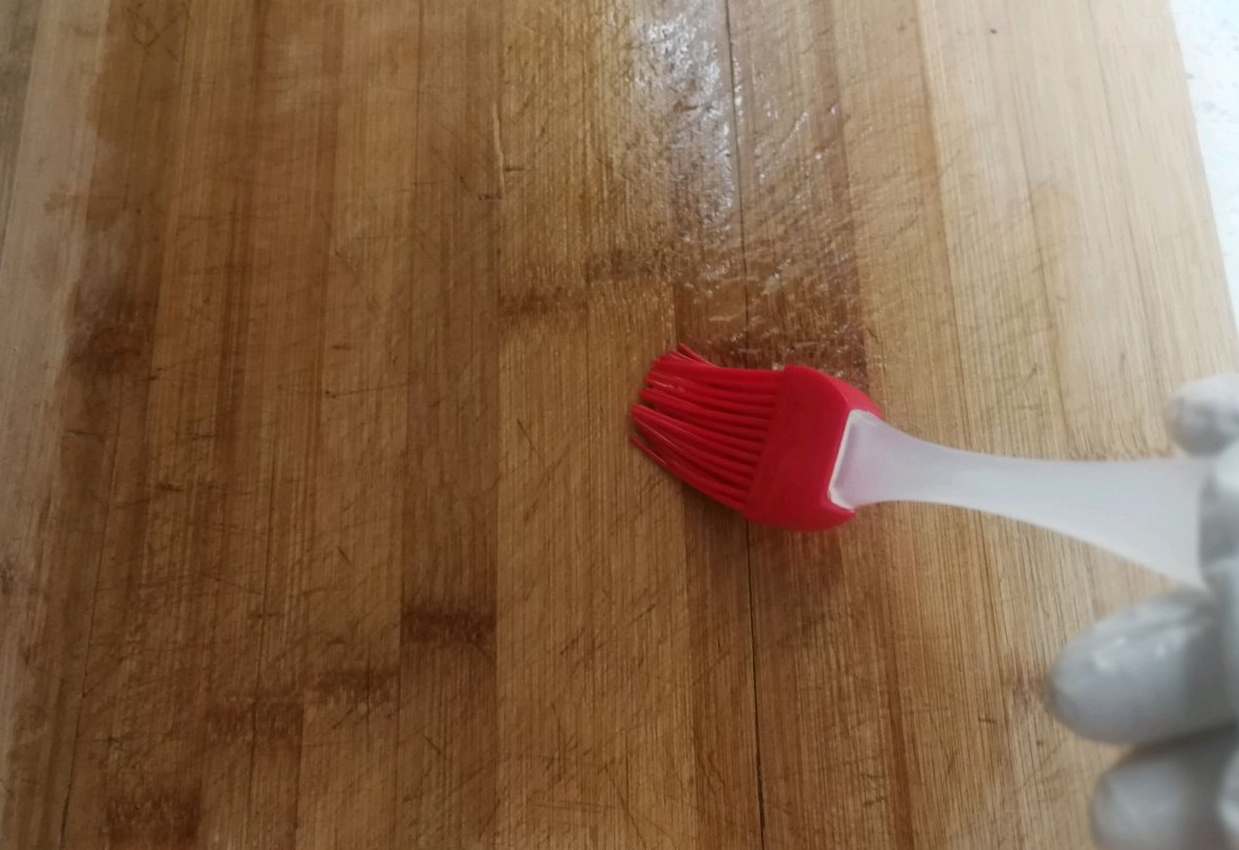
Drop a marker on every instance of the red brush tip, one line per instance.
(758, 440)
(705, 424)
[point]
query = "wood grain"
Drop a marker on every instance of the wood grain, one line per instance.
(319, 527)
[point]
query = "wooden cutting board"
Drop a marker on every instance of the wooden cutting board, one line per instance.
(319, 321)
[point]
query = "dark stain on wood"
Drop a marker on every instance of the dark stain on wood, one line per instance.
(445, 628)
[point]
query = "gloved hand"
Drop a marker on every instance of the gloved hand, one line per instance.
(1164, 676)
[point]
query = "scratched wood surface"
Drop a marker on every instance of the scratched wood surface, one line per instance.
(319, 322)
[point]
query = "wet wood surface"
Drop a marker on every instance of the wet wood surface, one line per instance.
(318, 528)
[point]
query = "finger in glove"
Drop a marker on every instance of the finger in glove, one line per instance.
(1204, 415)
(1164, 798)
(1148, 674)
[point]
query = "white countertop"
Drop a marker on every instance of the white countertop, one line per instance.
(1209, 38)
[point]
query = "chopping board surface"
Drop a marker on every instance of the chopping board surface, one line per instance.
(318, 527)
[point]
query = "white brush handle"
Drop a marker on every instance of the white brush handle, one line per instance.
(1144, 510)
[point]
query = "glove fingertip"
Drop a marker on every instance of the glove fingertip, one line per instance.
(1163, 797)
(1072, 697)
(1203, 416)
(1149, 673)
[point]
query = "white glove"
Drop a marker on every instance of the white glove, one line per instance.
(1164, 675)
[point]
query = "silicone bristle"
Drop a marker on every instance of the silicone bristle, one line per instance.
(706, 424)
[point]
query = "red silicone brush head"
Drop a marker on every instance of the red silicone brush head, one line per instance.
(762, 441)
